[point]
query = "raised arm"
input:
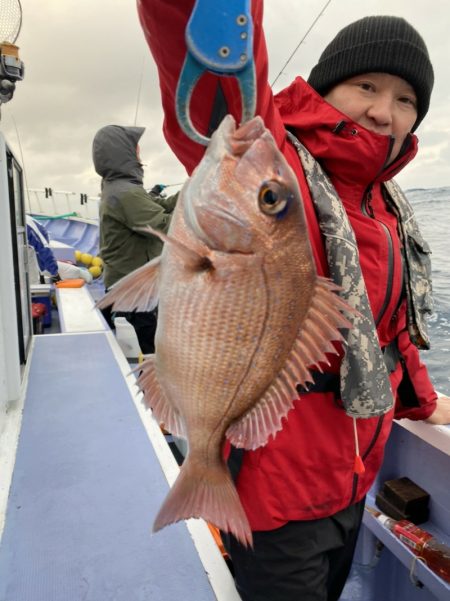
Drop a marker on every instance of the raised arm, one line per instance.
(164, 23)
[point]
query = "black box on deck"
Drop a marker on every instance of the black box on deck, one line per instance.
(402, 499)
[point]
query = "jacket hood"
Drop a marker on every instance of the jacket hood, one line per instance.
(114, 153)
(349, 152)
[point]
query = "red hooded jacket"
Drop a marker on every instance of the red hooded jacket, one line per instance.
(307, 471)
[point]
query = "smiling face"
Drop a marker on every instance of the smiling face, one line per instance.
(380, 102)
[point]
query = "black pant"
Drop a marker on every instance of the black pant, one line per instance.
(144, 324)
(301, 561)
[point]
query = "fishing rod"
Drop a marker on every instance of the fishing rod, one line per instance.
(138, 101)
(301, 42)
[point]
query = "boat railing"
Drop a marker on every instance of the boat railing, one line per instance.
(46, 201)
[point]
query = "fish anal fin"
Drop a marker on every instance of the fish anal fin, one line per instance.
(320, 327)
(156, 400)
(136, 291)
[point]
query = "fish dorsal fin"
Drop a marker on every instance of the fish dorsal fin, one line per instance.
(318, 330)
(136, 291)
(156, 400)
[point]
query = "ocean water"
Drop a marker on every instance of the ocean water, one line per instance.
(432, 209)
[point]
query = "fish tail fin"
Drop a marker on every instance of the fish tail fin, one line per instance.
(212, 496)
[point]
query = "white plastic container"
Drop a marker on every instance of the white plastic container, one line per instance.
(127, 338)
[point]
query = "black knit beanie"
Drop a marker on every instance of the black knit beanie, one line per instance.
(377, 44)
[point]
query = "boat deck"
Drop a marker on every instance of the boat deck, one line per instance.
(87, 485)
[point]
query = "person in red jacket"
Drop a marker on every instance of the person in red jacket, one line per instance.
(356, 115)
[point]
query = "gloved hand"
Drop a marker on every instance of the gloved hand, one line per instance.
(157, 189)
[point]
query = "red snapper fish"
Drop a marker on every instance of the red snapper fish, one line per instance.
(242, 317)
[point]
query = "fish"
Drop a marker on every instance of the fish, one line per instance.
(243, 317)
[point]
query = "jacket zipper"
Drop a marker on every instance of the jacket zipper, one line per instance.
(366, 453)
(367, 210)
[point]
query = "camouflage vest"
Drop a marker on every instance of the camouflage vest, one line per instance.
(364, 381)
(417, 266)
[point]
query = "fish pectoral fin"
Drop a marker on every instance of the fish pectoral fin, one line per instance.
(156, 400)
(318, 330)
(136, 291)
(190, 257)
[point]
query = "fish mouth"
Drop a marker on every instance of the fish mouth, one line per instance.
(241, 139)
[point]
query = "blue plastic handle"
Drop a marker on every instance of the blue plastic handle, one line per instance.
(219, 34)
(219, 38)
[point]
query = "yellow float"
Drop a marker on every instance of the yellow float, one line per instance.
(86, 259)
(95, 270)
(97, 261)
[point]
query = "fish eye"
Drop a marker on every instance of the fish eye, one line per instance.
(272, 198)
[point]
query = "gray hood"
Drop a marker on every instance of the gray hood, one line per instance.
(114, 153)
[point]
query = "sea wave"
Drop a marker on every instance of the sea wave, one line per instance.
(432, 209)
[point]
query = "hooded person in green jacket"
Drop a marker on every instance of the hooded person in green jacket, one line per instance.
(125, 211)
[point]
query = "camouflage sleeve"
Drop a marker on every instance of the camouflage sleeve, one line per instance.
(417, 255)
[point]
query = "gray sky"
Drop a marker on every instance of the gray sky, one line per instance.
(84, 59)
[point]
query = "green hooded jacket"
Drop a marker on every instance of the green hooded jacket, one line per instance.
(125, 207)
